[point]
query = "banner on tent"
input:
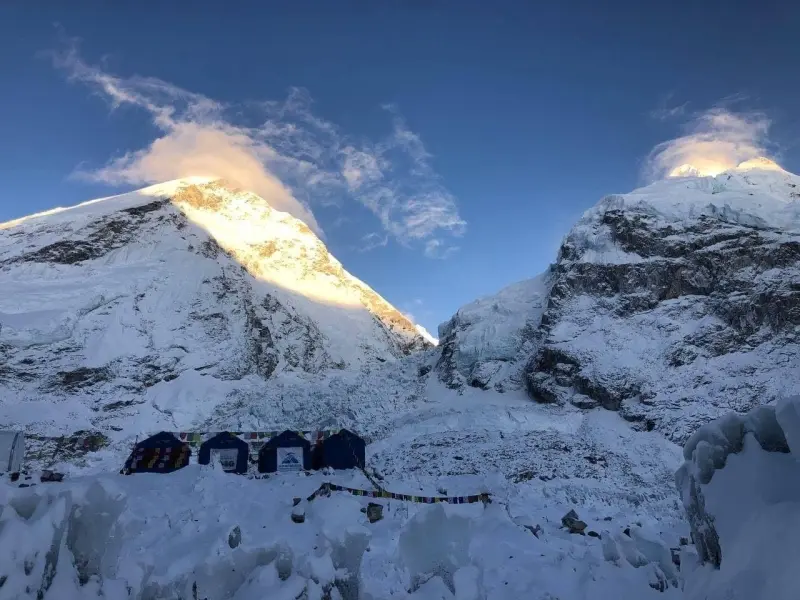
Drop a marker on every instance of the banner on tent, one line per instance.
(332, 487)
(290, 459)
(227, 457)
(160, 460)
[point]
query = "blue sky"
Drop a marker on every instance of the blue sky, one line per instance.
(444, 148)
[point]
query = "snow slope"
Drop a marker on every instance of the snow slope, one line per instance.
(159, 305)
(229, 537)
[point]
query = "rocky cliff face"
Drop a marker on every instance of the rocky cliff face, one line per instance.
(179, 291)
(673, 304)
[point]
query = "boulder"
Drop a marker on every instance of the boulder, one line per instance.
(298, 514)
(374, 512)
(235, 537)
(573, 523)
(51, 476)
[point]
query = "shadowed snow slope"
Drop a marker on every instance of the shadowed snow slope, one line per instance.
(150, 309)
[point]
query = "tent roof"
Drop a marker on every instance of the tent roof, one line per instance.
(162, 436)
(347, 433)
(226, 436)
(287, 435)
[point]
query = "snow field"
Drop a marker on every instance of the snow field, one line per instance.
(151, 536)
(202, 533)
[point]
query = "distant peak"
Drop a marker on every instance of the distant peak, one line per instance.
(426, 335)
(761, 162)
(170, 187)
(712, 168)
(685, 170)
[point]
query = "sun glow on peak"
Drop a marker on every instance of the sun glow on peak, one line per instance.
(701, 168)
(711, 167)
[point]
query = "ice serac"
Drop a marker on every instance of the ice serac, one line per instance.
(168, 296)
(740, 485)
(678, 302)
(483, 343)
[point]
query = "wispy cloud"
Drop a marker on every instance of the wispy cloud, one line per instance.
(436, 248)
(371, 241)
(669, 109)
(282, 151)
(712, 141)
(672, 112)
(395, 180)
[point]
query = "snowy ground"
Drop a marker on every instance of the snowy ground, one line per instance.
(167, 536)
(153, 536)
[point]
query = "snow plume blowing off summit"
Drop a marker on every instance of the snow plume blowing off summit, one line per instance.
(282, 152)
(715, 141)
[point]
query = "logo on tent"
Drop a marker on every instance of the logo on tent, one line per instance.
(290, 459)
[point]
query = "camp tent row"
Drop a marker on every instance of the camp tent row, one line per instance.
(288, 451)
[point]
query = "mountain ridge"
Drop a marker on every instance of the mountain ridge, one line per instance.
(671, 304)
(187, 292)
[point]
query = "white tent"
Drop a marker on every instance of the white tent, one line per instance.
(12, 450)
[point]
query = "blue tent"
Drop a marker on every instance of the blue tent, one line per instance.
(160, 453)
(288, 451)
(231, 451)
(344, 450)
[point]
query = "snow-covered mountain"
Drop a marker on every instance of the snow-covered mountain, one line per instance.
(162, 304)
(672, 304)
